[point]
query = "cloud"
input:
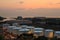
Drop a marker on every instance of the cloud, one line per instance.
(54, 3)
(58, 3)
(21, 2)
(51, 3)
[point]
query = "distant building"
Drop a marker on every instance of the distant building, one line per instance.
(30, 19)
(20, 22)
(26, 22)
(39, 21)
(53, 21)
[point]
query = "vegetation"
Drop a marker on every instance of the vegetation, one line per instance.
(2, 18)
(1, 37)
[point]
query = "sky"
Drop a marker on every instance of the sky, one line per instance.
(30, 3)
(30, 8)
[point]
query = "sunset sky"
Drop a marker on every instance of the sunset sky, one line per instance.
(29, 4)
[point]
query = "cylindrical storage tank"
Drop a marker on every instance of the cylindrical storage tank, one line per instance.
(49, 33)
(6, 26)
(38, 31)
(57, 34)
(31, 28)
(10, 28)
(23, 31)
(23, 26)
(16, 30)
(15, 24)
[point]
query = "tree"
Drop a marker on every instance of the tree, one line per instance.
(2, 18)
(19, 18)
(1, 37)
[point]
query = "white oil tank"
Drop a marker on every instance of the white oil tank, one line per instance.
(23, 31)
(57, 34)
(6, 25)
(16, 30)
(38, 31)
(49, 33)
(10, 28)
